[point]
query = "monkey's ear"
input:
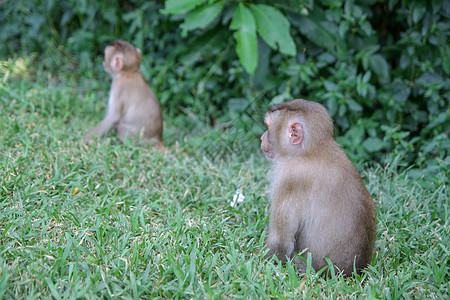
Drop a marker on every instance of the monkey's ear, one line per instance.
(117, 62)
(295, 133)
(139, 51)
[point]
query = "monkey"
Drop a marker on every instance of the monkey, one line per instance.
(133, 108)
(318, 200)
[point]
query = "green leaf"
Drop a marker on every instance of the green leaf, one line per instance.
(380, 67)
(445, 54)
(418, 12)
(316, 29)
(246, 48)
(208, 42)
(273, 27)
(373, 144)
(400, 90)
(354, 106)
(180, 6)
(330, 86)
(201, 17)
(332, 105)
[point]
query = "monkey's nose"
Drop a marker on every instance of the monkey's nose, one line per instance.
(262, 136)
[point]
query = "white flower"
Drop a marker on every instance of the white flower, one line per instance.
(237, 197)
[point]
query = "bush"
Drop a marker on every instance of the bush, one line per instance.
(380, 67)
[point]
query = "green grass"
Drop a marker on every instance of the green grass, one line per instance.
(152, 225)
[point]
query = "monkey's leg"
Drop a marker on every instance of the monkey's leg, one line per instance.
(281, 238)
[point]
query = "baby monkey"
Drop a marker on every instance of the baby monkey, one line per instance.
(318, 200)
(133, 109)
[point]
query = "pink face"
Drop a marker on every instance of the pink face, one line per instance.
(266, 146)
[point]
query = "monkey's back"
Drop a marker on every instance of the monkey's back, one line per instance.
(143, 114)
(337, 214)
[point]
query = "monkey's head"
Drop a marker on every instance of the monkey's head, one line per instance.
(121, 56)
(296, 128)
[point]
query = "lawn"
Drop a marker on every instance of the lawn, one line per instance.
(113, 220)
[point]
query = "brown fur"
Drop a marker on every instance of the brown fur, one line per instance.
(318, 200)
(133, 109)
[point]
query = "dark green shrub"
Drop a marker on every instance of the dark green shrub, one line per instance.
(381, 67)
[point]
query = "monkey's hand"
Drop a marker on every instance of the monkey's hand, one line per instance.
(88, 139)
(301, 264)
(270, 254)
(279, 252)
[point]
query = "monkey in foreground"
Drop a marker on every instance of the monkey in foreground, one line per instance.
(133, 109)
(318, 200)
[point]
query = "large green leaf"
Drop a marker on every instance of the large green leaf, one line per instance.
(246, 47)
(273, 27)
(445, 54)
(322, 33)
(201, 17)
(180, 6)
(373, 144)
(380, 67)
(209, 42)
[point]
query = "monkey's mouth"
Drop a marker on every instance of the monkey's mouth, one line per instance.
(267, 153)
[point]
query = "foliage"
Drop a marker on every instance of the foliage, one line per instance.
(247, 20)
(380, 66)
(114, 220)
(367, 61)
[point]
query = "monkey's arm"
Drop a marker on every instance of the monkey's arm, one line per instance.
(283, 227)
(111, 119)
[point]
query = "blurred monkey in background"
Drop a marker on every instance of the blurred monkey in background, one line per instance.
(133, 109)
